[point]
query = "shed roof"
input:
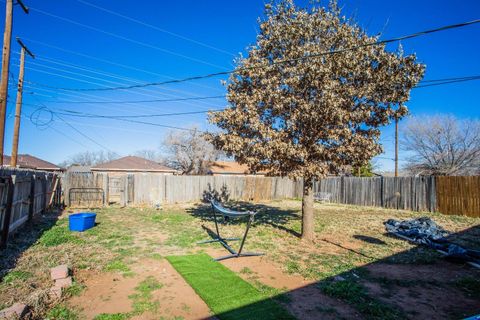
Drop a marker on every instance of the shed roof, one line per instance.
(132, 163)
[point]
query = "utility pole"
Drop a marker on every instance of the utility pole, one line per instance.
(7, 38)
(18, 106)
(396, 146)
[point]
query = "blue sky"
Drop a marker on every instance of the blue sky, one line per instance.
(92, 48)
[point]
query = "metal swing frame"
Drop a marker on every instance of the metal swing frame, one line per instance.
(224, 241)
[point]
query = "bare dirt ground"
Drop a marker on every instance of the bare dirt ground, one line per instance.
(109, 293)
(352, 270)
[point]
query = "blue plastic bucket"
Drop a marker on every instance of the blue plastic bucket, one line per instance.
(81, 221)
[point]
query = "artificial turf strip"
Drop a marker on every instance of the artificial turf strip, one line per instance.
(227, 295)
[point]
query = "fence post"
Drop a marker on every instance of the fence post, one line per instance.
(8, 212)
(342, 189)
(382, 193)
(44, 194)
(31, 198)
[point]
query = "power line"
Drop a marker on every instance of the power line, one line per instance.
(58, 131)
(102, 72)
(81, 80)
(141, 101)
(118, 36)
(155, 93)
(448, 82)
(155, 27)
(74, 113)
(434, 82)
(311, 56)
(147, 94)
(74, 128)
(121, 65)
(57, 114)
(92, 115)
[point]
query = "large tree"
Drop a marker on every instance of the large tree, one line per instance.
(300, 116)
(189, 152)
(442, 145)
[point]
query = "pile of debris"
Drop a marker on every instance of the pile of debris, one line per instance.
(425, 231)
(61, 278)
(422, 230)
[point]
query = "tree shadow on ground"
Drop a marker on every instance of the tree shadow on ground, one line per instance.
(24, 237)
(414, 284)
(269, 215)
(369, 239)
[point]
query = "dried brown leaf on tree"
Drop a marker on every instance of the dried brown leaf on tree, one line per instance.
(306, 118)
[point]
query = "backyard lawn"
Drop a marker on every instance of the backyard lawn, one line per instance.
(145, 264)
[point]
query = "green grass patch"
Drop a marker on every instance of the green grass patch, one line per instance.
(246, 270)
(356, 295)
(119, 266)
(62, 312)
(112, 316)
(142, 299)
(74, 290)
(57, 235)
(16, 276)
(227, 295)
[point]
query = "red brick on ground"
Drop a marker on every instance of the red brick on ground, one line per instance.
(55, 292)
(18, 310)
(63, 283)
(59, 272)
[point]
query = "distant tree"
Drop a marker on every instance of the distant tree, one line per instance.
(189, 152)
(365, 170)
(90, 158)
(309, 117)
(442, 145)
(148, 154)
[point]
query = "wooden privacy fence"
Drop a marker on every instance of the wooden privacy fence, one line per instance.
(408, 193)
(154, 189)
(449, 195)
(458, 195)
(23, 194)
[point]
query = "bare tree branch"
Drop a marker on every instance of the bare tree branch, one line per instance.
(442, 145)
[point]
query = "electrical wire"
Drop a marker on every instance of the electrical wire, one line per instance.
(118, 36)
(447, 82)
(307, 57)
(147, 94)
(104, 73)
(155, 27)
(53, 114)
(116, 64)
(434, 81)
(142, 101)
(91, 115)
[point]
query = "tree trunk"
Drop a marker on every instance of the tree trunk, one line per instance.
(308, 222)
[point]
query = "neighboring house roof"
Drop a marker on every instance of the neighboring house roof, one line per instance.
(132, 163)
(229, 167)
(30, 162)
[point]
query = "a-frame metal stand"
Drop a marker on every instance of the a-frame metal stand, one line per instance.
(224, 241)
